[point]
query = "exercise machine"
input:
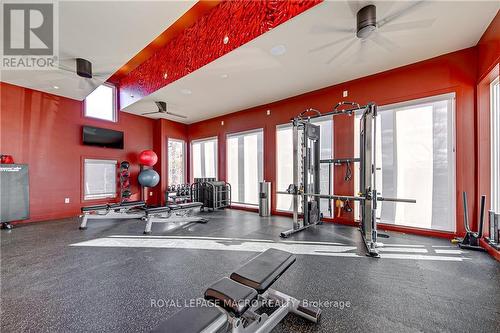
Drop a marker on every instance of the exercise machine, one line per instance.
(138, 210)
(244, 302)
(306, 169)
(306, 166)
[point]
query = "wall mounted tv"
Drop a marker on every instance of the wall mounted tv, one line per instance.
(102, 137)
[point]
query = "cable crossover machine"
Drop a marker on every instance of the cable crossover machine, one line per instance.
(306, 172)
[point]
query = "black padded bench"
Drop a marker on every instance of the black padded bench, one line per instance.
(95, 208)
(237, 295)
(195, 319)
(186, 205)
(127, 204)
(156, 210)
(262, 271)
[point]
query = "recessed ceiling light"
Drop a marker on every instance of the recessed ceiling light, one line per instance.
(186, 92)
(56, 87)
(165, 75)
(278, 50)
(225, 40)
(224, 76)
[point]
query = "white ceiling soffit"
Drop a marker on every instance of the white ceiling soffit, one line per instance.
(251, 75)
(107, 33)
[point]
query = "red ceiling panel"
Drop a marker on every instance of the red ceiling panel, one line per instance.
(203, 42)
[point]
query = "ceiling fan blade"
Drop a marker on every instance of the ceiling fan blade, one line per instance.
(66, 68)
(150, 113)
(361, 54)
(176, 114)
(324, 46)
(326, 29)
(422, 24)
(345, 48)
(391, 17)
(383, 42)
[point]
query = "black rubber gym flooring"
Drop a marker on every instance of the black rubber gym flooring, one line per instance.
(111, 278)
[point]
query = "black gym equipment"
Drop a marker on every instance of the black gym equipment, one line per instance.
(14, 194)
(306, 166)
(471, 239)
(213, 194)
(181, 213)
(244, 302)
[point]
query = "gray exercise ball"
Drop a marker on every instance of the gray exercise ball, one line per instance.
(149, 178)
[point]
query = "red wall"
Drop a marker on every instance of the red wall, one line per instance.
(44, 131)
(163, 130)
(488, 69)
(454, 72)
(489, 48)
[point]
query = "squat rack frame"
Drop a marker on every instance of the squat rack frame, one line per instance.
(367, 194)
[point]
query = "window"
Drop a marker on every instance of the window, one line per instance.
(245, 166)
(495, 145)
(101, 103)
(176, 162)
(204, 158)
(284, 163)
(415, 159)
(99, 178)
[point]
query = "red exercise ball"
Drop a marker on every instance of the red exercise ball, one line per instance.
(7, 159)
(148, 158)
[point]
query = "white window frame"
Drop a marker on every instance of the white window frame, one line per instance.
(115, 105)
(183, 162)
(213, 138)
(230, 135)
(495, 144)
(88, 197)
(451, 152)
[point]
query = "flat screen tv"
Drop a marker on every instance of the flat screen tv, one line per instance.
(102, 137)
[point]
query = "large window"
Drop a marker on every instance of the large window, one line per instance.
(415, 158)
(495, 145)
(284, 163)
(176, 162)
(99, 179)
(101, 103)
(204, 158)
(245, 166)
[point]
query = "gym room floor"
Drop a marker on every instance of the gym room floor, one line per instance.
(108, 278)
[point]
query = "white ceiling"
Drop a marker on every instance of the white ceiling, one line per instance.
(256, 77)
(107, 33)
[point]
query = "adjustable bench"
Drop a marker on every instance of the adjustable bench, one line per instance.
(244, 302)
(124, 210)
(173, 213)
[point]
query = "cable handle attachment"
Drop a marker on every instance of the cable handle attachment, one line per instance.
(300, 116)
(336, 108)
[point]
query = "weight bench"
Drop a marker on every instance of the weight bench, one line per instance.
(244, 302)
(124, 210)
(172, 213)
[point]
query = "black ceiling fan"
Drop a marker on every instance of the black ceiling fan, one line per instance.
(83, 68)
(369, 29)
(162, 109)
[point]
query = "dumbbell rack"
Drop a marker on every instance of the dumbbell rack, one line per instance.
(124, 177)
(172, 193)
